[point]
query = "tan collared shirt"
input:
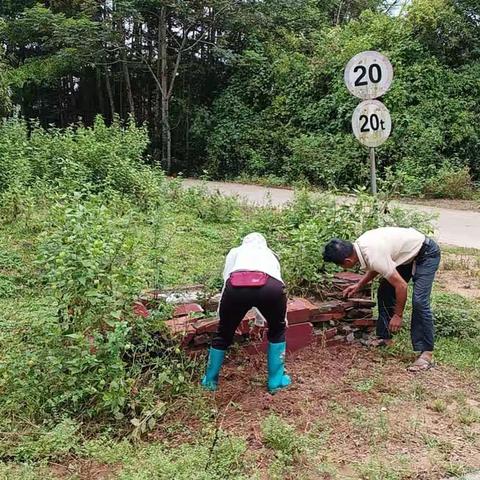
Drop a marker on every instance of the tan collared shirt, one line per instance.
(382, 250)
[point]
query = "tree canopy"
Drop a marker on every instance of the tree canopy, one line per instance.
(254, 87)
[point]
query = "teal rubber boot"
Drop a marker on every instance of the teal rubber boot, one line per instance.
(215, 361)
(277, 379)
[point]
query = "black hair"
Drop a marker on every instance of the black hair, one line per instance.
(337, 251)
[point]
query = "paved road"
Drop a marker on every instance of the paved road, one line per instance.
(453, 227)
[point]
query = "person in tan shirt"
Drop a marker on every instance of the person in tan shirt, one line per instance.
(398, 255)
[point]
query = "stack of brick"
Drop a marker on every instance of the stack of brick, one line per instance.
(329, 322)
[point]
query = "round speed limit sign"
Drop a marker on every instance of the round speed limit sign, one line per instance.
(368, 75)
(371, 123)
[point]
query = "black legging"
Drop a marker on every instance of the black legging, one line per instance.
(271, 300)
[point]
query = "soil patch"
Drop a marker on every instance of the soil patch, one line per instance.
(367, 402)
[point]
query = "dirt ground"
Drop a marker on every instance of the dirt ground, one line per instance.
(368, 406)
(460, 273)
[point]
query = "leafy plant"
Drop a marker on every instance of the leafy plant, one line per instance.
(455, 316)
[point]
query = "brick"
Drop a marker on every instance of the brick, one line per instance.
(350, 277)
(333, 306)
(297, 337)
(300, 310)
(140, 310)
(363, 302)
(187, 309)
(244, 327)
(327, 317)
(359, 313)
(329, 333)
(199, 340)
(364, 322)
(205, 325)
(181, 327)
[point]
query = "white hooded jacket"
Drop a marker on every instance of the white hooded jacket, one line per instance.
(252, 255)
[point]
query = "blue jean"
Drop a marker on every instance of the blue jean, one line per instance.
(422, 330)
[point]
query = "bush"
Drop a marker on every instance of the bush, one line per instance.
(455, 316)
(101, 156)
(450, 182)
(89, 262)
(327, 160)
(85, 351)
(299, 232)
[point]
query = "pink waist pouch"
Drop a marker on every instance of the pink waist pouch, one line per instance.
(248, 279)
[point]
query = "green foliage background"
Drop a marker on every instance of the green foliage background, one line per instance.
(287, 112)
(262, 95)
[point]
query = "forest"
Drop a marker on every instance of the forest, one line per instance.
(251, 89)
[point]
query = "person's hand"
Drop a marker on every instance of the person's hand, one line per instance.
(351, 290)
(395, 323)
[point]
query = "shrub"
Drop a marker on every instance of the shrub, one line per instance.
(101, 156)
(89, 262)
(299, 232)
(450, 182)
(455, 316)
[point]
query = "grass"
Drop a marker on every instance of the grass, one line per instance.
(191, 445)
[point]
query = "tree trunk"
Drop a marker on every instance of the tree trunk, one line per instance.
(100, 97)
(109, 93)
(166, 134)
(126, 74)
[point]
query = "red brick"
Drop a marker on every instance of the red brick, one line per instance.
(364, 322)
(182, 310)
(297, 337)
(363, 302)
(140, 309)
(329, 333)
(201, 340)
(300, 310)
(181, 327)
(348, 276)
(244, 327)
(333, 306)
(359, 313)
(326, 317)
(205, 325)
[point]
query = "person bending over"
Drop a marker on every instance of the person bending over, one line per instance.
(398, 255)
(252, 278)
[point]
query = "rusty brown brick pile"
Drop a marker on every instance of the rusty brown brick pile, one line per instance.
(329, 322)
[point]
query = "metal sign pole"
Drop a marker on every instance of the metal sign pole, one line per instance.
(373, 172)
